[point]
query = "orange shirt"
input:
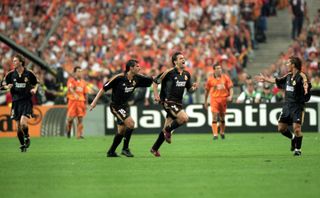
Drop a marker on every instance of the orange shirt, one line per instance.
(219, 87)
(79, 86)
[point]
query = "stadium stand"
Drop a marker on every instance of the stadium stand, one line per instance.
(100, 36)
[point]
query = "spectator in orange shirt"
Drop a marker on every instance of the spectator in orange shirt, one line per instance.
(220, 88)
(77, 91)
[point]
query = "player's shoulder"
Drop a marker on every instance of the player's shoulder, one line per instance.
(71, 79)
(211, 78)
(116, 77)
(303, 76)
(186, 72)
(29, 71)
(11, 72)
(286, 75)
(166, 72)
(170, 70)
(84, 82)
(226, 76)
(120, 75)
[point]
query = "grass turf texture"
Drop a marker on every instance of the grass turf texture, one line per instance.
(243, 165)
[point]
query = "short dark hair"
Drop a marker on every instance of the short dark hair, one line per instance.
(175, 57)
(131, 63)
(296, 62)
(76, 68)
(216, 65)
(21, 59)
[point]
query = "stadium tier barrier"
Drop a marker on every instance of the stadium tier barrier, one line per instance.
(51, 120)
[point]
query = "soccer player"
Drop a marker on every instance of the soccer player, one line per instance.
(297, 87)
(77, 92)
(22, 84)
(122, 86)
(220, 88)
(173, 83)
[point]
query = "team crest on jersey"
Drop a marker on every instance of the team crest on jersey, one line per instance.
(294, 83)
(185, 77)
(134, 83)
(25, 79)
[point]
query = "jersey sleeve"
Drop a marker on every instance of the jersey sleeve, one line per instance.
(163, 76)
(157, 79)
(111, 83)
(86, 88)
(33, 79)
(189, 82)
(70, 83)
(208, 84)
(143, 81)
(8, 79)
(281, 82)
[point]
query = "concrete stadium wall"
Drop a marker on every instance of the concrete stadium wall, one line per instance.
(94, 122)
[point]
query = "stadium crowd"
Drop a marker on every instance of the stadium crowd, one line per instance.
(306, 47)
(100, 36)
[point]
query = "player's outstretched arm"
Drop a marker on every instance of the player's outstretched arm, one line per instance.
(206, 99)
(155, 92)
(34, 89)
(94, 102)
(8, 86)
(193, 88)
(230, 94)
(262, 78)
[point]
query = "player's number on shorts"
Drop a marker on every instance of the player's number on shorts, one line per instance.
(122, 112)
(174, 107)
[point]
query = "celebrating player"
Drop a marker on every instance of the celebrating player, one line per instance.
(122, 86)
(173, 83)
(22, 84)
(297, 87)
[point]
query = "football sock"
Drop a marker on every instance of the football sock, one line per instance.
(25, 130)
(214, 128)
(79, 130)
(69, 125)
(222, 127)
(20, 136)
(287, 133)
(172, 126)
(158, 142)
(127, 138)
(116, 141)
(298, 142)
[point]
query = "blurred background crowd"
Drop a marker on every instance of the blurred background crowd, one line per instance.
(100, 36)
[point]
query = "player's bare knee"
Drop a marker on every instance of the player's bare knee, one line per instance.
(281, 129)
(186, 119)
(130, 125)
(183, 119)
(297, 132)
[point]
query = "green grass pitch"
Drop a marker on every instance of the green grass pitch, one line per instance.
(244, 165)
